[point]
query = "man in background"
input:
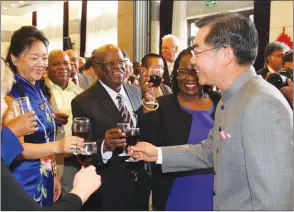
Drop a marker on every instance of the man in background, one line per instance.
(76, 77)
(170, 49)
(273, 55)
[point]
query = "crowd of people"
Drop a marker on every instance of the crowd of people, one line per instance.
(214, 135)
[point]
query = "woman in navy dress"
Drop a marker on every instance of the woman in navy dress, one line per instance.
(184, 117)
(35, 168)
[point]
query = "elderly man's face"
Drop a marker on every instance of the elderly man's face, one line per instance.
(59, 68)
(110, 67)
(169, 51)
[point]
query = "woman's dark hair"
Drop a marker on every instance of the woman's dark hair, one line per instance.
(22, 39)
(175, 85)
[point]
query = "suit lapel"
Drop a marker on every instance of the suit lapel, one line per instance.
(105, 101)
(128, 91)
(81, 81)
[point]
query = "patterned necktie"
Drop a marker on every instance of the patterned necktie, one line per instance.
(124, 111)
(74, 81)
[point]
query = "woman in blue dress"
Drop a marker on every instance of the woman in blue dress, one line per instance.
(184, 117)
(35, 167)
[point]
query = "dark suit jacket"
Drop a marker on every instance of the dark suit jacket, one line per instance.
(119, 189)
(84, 81)
(263, 72)
(14, 197)
(166, 77)
(168, 126)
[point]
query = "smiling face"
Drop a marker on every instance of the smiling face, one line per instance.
(109, 64)
(207, 60)
(189, 85)
(169, 50)
(59, 68)
(32, 62)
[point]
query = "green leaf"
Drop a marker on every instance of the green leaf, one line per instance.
(39, 186)
(45, 173)
(38, 199)
(44, 192)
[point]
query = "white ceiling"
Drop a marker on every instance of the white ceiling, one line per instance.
(30, 6)
(196, 8)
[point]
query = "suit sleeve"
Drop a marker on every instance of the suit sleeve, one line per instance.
(188, 157)
(267, 136)
(14, 197)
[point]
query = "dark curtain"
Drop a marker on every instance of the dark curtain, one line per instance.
(261, 14)
(83, 28)
(65, 19)
(165, 18)
(34, 19)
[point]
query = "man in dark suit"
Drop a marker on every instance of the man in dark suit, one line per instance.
(125, 186)
(170, 49)
(273, 55)
(79, 79)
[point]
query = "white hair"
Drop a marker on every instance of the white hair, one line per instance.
(175, 40)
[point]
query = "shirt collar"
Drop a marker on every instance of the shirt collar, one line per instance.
(70, 85)
(270, 69)
(238, 83)
(113, 93)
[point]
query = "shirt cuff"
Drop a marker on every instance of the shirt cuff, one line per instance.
(105, 155)
(159, 156)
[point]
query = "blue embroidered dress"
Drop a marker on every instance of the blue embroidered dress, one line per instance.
(36, 176)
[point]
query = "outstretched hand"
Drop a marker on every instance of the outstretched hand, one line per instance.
(144, 151)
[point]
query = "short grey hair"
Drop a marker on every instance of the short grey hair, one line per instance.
(175, 40)
(274, 46)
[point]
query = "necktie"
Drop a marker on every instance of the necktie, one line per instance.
(125, 114)
(74, 81)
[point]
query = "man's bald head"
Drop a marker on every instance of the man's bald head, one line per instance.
(100, 53)
(74, 61)
(55, 54)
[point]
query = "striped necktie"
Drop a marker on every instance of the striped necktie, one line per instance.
(125, 114)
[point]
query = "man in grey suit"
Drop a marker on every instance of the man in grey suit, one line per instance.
(79, 79)
(251, 144)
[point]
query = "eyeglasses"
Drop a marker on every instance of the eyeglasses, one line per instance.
(112, 64)
(194, 53)
(183, 74)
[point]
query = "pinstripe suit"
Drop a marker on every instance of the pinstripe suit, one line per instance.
(253, 168)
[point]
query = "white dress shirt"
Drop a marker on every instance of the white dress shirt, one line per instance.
(108, 154)
(170, 67)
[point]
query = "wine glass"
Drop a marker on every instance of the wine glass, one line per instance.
(85, 153)
(124, 127)
(21, 106)
(155, 75)
(133, 136)
(81, 127)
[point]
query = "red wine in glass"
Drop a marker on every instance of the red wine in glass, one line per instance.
(132, 138)
(85, 158)
(85, 154)
(155, 79)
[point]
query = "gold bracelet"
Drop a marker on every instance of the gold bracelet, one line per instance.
(156, 103)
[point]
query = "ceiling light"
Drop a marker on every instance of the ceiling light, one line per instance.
(21, 2)
(12, 5)
(4, 8)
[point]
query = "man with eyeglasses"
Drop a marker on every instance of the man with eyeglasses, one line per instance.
(107, 102)
(77, 78)
(273, 56)
(62, 92)
(251, 144)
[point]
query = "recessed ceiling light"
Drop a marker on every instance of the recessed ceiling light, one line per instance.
(21, 2)
(12, 5)
(4, 8)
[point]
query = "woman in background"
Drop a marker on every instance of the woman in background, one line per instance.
(184, 117)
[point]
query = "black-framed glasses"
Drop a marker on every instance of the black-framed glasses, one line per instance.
(183, 74)
(122, 63)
